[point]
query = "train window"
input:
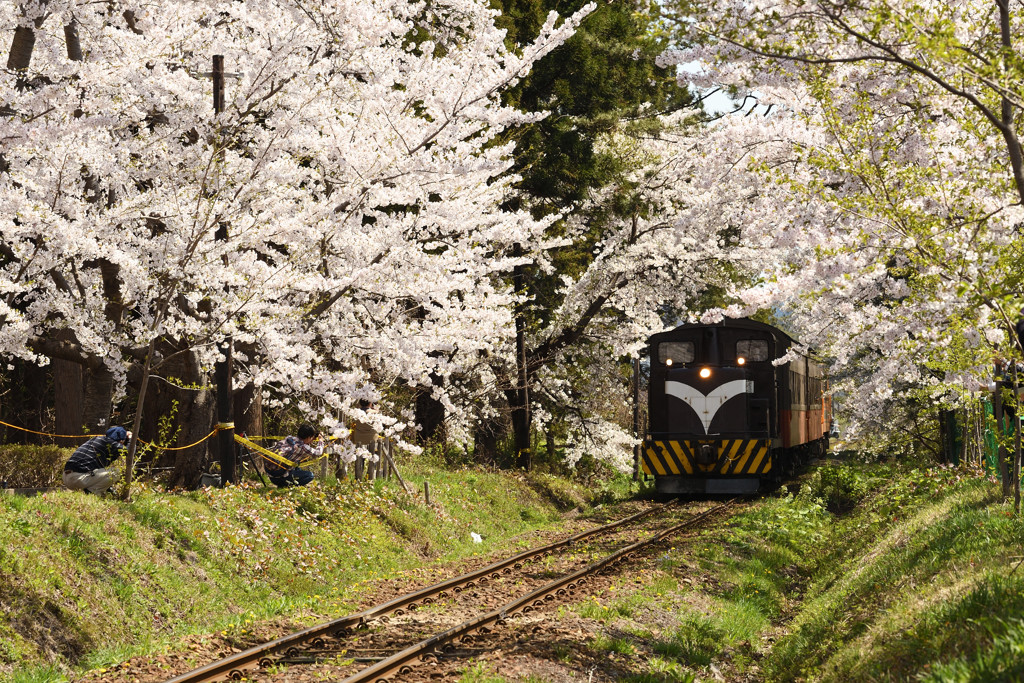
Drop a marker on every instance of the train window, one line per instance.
(752, 349)
(675, 353)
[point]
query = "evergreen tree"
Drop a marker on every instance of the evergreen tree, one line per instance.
(602, 81)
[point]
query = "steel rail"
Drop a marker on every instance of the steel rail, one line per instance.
(233, 667)
(424, 650)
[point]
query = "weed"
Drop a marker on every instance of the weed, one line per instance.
(620, 646)
(30, 466)
(662, 671)
(45, 674)
(592, 609)
(1002, 661)
(479, 673)
(839, 488)
(563, 652)
(695, 641)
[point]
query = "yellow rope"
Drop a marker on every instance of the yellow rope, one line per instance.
(90, 436)
(218, 427)
(58, 436)
(178, 448)
(265, 452)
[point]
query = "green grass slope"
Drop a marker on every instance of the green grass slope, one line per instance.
(869, 573)
(86, 581)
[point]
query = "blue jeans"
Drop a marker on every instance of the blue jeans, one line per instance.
(292, 477)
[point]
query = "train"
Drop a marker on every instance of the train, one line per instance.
(722, 417)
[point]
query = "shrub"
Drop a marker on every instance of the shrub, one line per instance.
(838, 488)
(32, 466)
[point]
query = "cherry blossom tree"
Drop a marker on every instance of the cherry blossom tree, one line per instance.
(339, 220)
(668, 238)
(890, 211)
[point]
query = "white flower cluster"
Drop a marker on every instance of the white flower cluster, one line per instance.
(884, 192)
(340, 218)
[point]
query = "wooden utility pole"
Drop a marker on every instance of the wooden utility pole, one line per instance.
(222, 370)
(636, 417)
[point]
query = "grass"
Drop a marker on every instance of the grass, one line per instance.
(696, 641)
(929, 584)
(95, 580)
(479, 673)
(870, 572)
(1003, 661)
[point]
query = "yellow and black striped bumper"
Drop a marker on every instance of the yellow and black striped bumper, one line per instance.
(734, 456)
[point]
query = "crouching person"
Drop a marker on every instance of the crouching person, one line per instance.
(88, 469)
(298, 449)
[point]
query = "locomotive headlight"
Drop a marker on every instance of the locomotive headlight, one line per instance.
(668, 361)
(705, 373)
(741, 361)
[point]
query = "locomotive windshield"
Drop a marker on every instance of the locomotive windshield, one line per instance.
(752, 349)
(675, 353)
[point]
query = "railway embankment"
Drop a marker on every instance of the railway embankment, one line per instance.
(89, 581)
(879, 572)
(856, 572)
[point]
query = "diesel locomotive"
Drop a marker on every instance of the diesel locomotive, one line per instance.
(722, 418)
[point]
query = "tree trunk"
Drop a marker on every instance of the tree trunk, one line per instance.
(72, 41)
(20, 56)
(521, 417)
(97, 403)
(1015, 475)
(997, 413)
(190, 410)
(249, 410)
(430, 415)
(24, 404)
(68, 400)
(485, 438)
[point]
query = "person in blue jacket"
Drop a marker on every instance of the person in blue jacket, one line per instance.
(88, 469)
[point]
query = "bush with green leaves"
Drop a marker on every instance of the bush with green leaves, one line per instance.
(839, 488)
(32, 466)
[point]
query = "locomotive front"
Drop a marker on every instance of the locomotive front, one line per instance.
(713, 406)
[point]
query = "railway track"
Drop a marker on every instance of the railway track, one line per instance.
(417, 633)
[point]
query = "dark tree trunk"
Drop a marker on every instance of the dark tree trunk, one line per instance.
(485, 438)
(998, 414)
(190, 411)
(23, 402)
(68, 401)
(249, 421)
(430, 415)
(521, 432)
(189, 464)
(20, 55)
(72, 41)
(519, 398)
(249, 410)
(98, 394)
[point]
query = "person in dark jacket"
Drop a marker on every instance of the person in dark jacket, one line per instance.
(88, 469)
(297, 449)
